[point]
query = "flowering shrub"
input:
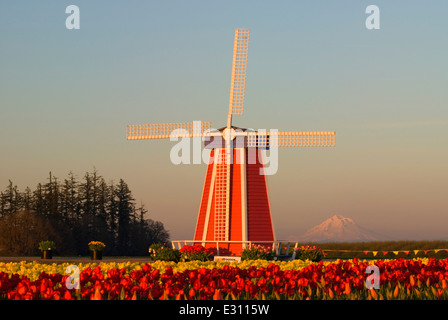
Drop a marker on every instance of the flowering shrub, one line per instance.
(96, 246)
(257, 252)
(158, 251)
(400, 279)
(312, 253)
(154, 248)
(196, 252)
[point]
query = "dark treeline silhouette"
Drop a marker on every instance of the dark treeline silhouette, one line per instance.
(72, 213)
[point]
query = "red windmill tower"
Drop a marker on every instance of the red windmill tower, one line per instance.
(234, 209)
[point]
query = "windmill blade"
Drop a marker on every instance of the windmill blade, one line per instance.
(238, 80)
(236, 105)
(168, 130)
(291, 139)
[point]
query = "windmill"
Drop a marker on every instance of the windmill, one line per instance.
(234, 209)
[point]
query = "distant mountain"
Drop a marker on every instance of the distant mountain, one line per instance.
(339, 229)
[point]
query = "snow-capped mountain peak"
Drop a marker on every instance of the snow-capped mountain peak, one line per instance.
(338, 229)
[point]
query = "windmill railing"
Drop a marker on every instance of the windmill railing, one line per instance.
(276, 245)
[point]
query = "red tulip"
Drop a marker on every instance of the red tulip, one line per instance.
(21, 289)
(197, 285)
(33, 289)
(347, 288)
(156, 292)
(68, 295)
(169, 271)
(146, 268)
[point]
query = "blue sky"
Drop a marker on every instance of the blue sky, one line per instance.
(66, 97)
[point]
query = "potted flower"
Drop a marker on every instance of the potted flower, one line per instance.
(46, 248)
(96, 250)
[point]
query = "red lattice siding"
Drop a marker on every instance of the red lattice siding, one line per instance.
(203, 207)
(258, 210)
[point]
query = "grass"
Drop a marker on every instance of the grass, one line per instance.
(358, 249)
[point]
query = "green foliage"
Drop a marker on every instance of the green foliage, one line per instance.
(47, 245)
(158, 251)
(312, 253)
(257, 252)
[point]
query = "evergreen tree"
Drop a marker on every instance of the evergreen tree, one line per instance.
(27, 199)
(76, 213)
(125, 209)
(51, 197)
(86, 195)
(112, 207)
(69, 197)
(39, 200)
(11, 200)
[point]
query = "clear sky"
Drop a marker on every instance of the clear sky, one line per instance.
(66, 97)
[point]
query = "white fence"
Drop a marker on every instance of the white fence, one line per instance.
(277, 246)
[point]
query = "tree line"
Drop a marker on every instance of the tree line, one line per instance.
(72, 213)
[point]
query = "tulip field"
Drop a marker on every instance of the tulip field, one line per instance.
(400, 279)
